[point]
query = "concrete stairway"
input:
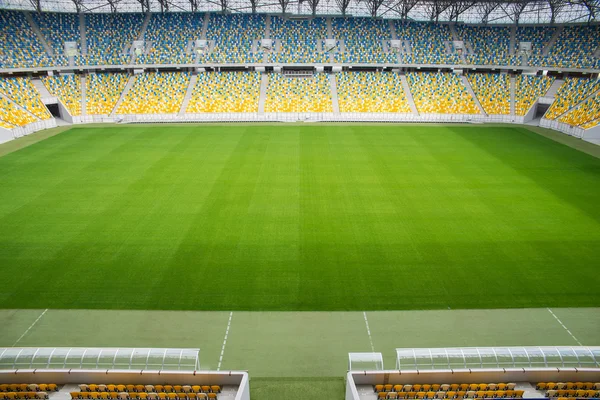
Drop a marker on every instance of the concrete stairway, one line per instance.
(82, 34)
(554, 88)
(329, 28)
(188, 94)
(513, 90)
(268, 27)
(264, 83)
(83, 95)
(393, 29)
(597, 53)
(123, 94)
(469, 47)
(453, 32)
(205, 25)
(38, 33)
(408, 94)
(553, 40)
(144, 26)
(513, 40)
(467, 84)
(41, 88)
(334, 95)
(407, 47)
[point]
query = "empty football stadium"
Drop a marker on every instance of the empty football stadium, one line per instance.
(299, 199)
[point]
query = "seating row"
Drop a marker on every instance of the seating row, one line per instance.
(444, 387)
(143, 396)
(23, 395)
(130, 388)
(573, 393)
(470, 394)
(28, 387)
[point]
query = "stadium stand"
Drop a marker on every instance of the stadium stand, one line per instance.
(427, 42)
(233, 36)
(103, 92)
(440, 93)
(68, 89)
(539, 36)
(22, 92)
(529, 89)
(298, 40)
(19, 45)
(155, 93)
(448, 391)
(57, 29)
(298, 94)
(225, 92)
(585, 114)
(371, 92)
(362, 40)
(108, 35)
(493, 92)
(6, 125)
(572, 92)
(574, 48)
(490, 43)
(169, 48)
(14, 115)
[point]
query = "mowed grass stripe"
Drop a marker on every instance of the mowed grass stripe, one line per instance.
(311, 217)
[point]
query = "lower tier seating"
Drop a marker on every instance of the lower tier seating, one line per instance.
(156, 93)
(585, 115)
(528, 89)
(225, 92)
(298, 94)
(22, 92)
(493, 92)
(371, 92)
(68, 89)
(103, 92)
(14, 115)
(571, 93)
(440, 93)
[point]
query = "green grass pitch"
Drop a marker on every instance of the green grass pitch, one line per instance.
(299, 217)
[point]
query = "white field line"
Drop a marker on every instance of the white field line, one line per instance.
(224, 341)
(563, 325)
(30, 326)
(369, 331)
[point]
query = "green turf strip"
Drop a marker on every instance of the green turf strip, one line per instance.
(308, 217)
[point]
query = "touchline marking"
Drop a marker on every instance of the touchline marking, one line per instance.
(369, 331)
(563, 325)
(224, 341)
(30, 326)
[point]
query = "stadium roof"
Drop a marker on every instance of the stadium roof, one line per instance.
(473, 11)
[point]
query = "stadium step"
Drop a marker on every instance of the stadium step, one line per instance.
(123, 94)
(597, 52)
(553, 40)
(264, 83)
(329, 28)
(469, 88)
(188, 94)
(513, 39)
(409, 96)
(83, 95)
(393, 29)
(554, 88)
(205, 25)
(82, 34)
(513, 87)
(268, 27)
(334, 94)
(38, 33)
(144, 26)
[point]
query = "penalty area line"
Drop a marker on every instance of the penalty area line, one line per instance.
(563, 325)
(369, 331)
(30, 326)
(224, 341)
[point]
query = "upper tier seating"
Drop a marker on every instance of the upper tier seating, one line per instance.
(298, 40)
(427, 42)
(156, 93)
(167, 47)
(19, 45)
(103, 92)
(441, 93)
(362, 40)
(492, 91)
(14, 115)
(528, 89)
(225, 92)
(491, 44)
(108, 35)
(298, 94)
(22, 92)
(57, 29)
(539, 36)
(68, 89)
(371, 92)
(574, 48)
(585, 114)
(571, 93)
(233, 36)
